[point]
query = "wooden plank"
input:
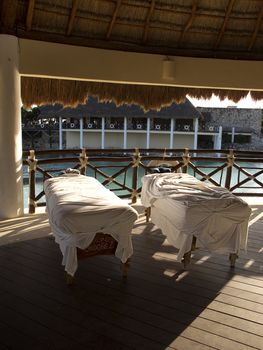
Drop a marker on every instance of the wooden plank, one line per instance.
(14, 339)
(30, 13)
(202, 308)
(72, 16)
(113, 19)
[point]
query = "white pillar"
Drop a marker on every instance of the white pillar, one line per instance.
(172, 133)
(233, 135)
(81, 133)
(196, 133)
(125, 123)
(11, 175)
(219, 139)
(148, 132)
(60, 133)
(102, 132)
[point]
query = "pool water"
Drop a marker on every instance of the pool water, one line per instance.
(205, 166)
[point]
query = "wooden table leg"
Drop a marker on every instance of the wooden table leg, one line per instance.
(187, 256)
(69, 279)
(232, 258)
(124, 268)
(148, 214)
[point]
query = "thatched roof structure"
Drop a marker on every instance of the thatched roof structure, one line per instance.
(230, 29)
(227, 29)
(42, 91)
(93, 108)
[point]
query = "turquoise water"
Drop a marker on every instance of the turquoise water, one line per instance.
(205, 166)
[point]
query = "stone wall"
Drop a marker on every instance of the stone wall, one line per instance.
(246, 119)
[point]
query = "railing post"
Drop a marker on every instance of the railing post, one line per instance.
(32, 166)
(230, 162)
(83, 160)
(186, 160)
(136, 164)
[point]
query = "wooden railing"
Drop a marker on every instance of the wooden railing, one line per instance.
(121, 170)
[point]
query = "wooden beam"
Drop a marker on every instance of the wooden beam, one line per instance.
(113, 19)
(8, 15)
(190, 21)
(228, 11)
(72, 16)
(29, 16)
(147, 23)
(255, 33)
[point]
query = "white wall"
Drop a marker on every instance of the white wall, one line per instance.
(159, 141)
(92, 139)
(183, 141)
(75, 62)
(136, 140)
(113, 140)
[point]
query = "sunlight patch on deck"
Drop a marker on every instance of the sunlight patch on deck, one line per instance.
(24, 228)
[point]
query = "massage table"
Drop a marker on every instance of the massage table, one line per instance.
(192, 213)
(87, 219)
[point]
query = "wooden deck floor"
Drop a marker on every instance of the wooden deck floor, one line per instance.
(160, 306)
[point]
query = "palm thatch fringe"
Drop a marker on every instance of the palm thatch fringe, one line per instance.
(41, 91)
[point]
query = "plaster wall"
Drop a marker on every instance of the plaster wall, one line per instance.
(83, 63)
(183, 141)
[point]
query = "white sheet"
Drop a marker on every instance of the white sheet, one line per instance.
(183, 206)
(80, 206)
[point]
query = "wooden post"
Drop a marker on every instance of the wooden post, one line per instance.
(32, 166)
(83, 160)
(230, 162)
(136, 164)
(186, 160)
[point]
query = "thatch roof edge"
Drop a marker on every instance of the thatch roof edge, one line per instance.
(41, 91)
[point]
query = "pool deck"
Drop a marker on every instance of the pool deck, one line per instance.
(160, 306)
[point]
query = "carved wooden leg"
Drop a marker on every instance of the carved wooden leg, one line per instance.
(69, 279)
(148, 214)
(124, 268)
(232, 258)
(187, 256)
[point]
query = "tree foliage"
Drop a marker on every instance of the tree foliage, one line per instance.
(30, 115)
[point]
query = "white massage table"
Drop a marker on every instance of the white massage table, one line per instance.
(87, 219)
(190, 211)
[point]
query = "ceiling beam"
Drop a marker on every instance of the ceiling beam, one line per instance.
(113, 19)
(147, 23)
(190, 21)
(29, 15)
(221, 33)
(72, 16)
(255, 33)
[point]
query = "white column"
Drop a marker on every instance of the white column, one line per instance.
(11, 176)
(125, 123)
(219, 139)
(60, 133)
(81, 133)
(215, 138)
(172, 133)
(148, 131)
(196, 133)
(233, 135)
(102, 132)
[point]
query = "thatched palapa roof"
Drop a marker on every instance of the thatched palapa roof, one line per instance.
(71, 93)
(230, 29)
(93, 108)
(225, 29)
